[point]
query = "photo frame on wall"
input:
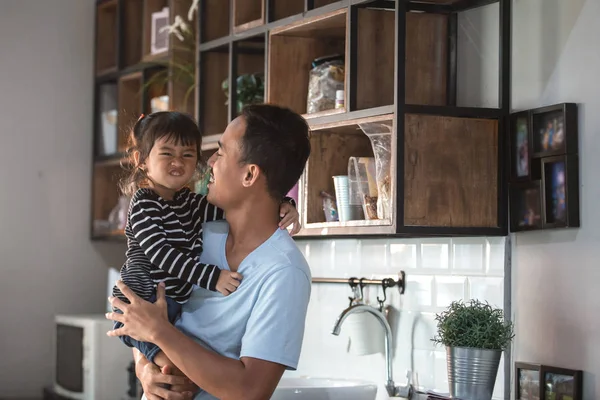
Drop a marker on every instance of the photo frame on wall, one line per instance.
(520, 146)
(526, 207)
(543, 154)
(528, 382)
(560, 180)
(554, 130)
(561, 383)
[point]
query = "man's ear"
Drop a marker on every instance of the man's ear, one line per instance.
(252, 175)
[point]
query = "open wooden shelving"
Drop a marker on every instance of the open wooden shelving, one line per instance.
(125, 86)
(400, 68)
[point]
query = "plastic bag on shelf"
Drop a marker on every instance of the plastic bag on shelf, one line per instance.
(325, 78)
(380, 135)
(363, 185)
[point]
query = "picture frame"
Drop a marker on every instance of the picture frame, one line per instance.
(560, 181)
(527, 206)
(528, 382)
(159, 41)
(561, 383)
(554, 130)
(520, 146)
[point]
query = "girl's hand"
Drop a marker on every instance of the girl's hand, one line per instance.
(289, 215)
(141, 319)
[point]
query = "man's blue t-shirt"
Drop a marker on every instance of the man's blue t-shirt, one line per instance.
(264, 318)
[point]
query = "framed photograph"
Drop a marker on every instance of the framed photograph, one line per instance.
(560, 179)
(526, 206)
(528, 381)
(554, 130)
(520, 146)
(561, 383)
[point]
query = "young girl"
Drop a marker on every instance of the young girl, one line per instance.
(164, 223)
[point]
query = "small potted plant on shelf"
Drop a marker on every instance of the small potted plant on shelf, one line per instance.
(250, 89)
(475, 335)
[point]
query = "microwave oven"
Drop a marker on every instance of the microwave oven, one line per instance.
(90, 365)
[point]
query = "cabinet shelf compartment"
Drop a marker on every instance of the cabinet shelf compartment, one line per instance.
(214, 20)
(150, 7)
(292, 50)
(106, 132)
(105, 197)
(286, 8)
(156, 86)
(332, 146)
(130, 106)
(248, 14)
(133, 30)
(106, 37)
(426, 58)
(212, 108)
(450, 179)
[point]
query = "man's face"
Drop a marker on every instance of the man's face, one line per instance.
(226, 186)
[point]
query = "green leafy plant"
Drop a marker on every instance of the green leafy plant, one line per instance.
(474, 324)
(250, 89)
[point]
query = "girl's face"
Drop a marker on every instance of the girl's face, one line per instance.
(170, 167)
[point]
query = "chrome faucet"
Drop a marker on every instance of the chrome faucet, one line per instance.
(390, 386)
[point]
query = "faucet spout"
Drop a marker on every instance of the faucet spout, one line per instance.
(389, 385)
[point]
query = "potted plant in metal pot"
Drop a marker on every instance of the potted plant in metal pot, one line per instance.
(475, 335)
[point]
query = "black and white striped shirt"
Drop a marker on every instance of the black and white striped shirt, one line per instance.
(164, 243)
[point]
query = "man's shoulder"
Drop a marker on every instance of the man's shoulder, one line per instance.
(285, 255)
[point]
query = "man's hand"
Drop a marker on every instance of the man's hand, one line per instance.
(141, 319)
(154, 380)
(167, 368)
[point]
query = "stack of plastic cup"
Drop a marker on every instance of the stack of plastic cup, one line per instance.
(342, 196)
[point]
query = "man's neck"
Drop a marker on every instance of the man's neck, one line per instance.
(250, 226)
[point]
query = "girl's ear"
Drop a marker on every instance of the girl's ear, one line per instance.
(136, 158)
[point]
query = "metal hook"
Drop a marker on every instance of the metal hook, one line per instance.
(362, 286)
(353, 286)
(384, 284)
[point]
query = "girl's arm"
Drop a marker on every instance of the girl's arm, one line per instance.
(147, 226)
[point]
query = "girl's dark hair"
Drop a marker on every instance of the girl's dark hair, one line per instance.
(179, 128)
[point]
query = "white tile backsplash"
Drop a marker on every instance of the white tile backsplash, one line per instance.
(438, 271)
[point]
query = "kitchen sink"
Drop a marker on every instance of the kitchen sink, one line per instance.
(324, 389)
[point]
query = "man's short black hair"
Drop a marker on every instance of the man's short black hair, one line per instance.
(277, 140)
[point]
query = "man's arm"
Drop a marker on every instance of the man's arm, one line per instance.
(154, 379)
(223, 377)
(271, 343)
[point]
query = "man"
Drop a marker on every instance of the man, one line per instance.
(245, 341)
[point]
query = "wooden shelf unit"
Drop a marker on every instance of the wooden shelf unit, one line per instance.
(400, 58)
(125, 85)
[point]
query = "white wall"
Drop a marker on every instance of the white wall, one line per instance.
(556, 306)
(47, 263)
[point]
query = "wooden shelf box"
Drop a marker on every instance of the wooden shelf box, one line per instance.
(214, 69)
(450, 179)
(106, 37)
(150, 7)
(248, 14)
(130, 106)
(292, 50)
(106, 131)
(332, 146)
(132, 32)
(286, 8)
(214, 21)
(105, 196)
